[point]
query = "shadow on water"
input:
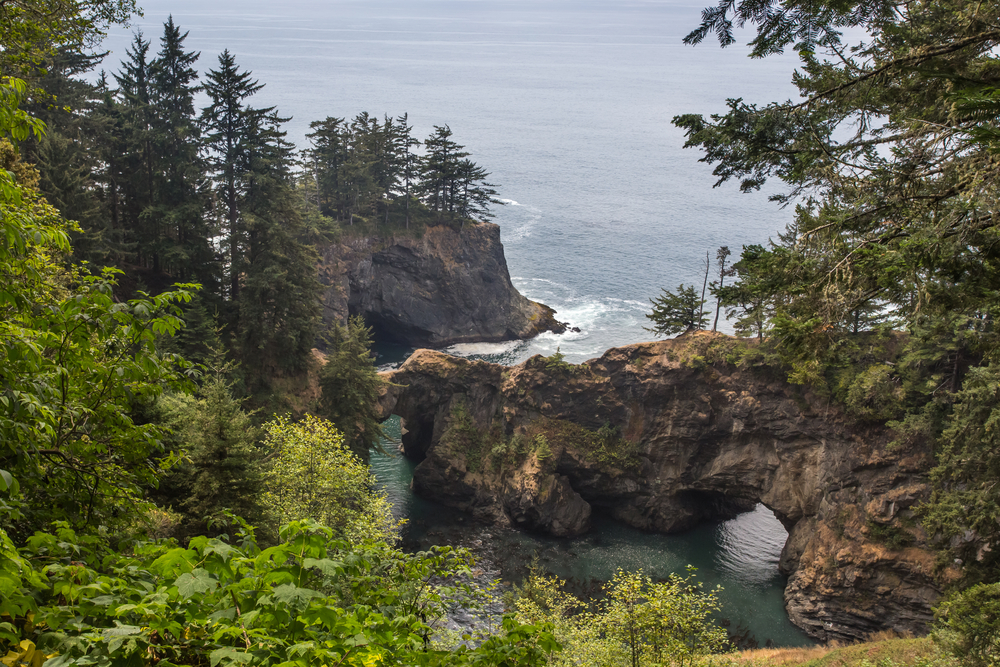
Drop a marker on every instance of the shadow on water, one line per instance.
(741, 554)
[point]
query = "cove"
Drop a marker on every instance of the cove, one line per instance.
(741, 554)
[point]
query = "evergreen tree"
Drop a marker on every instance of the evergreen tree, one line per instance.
(476, 195)
(751, 299)
(226, 122)
(69, 155)
(274, 292)
(326, 160)
(360, 166)
(386, 165)
(891, 153)
(350, 386)
(677, 312)
(720, 257)
(181, 202)
(279, 299)
(138, 168)
(441, 170)
(222, 464)
(409, 162)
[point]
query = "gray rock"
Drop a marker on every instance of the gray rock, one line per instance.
(443, 287)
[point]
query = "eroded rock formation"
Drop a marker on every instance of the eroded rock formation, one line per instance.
(438, 288)
(664, 438)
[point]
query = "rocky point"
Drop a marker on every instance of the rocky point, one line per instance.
(442, 286)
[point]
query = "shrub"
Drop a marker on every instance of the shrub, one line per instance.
(968, 625)
(308, 600)
(311, 472)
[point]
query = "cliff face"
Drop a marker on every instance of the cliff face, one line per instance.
(447, 286)
(664, 440)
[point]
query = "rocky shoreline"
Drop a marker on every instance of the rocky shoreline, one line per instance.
(437, 288)
(664, 438)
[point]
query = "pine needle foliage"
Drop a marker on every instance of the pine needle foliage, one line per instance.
(350, 385)
(890, 157)
(677, 312)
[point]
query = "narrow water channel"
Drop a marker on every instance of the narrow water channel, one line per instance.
(741, 554)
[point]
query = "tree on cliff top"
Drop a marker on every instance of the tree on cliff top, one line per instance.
(453, 186)
(677, 312)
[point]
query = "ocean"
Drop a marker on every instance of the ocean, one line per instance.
(568, 104)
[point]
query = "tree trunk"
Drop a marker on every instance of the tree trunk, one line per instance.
(704, 286)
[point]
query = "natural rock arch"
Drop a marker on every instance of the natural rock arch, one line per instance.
(665, 440)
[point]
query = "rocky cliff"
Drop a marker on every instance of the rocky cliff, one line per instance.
(438, 288)
(663, 437)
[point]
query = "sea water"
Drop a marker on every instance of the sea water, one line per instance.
(568, 103)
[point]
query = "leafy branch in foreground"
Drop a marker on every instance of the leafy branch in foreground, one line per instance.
(76, 364)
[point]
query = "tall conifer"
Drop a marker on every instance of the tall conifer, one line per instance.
(181, 202)
(225, 122)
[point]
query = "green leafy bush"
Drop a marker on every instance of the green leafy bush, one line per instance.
(308, 600)
(311, 471)
(640, 622)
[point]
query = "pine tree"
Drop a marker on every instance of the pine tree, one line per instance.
(222, 467)
(279, 300)
(69, 155)
(454, 186)
(677, 312)
(409, 162)
(326, 160)
(226, 122)
(138, 168)
(350, 386)
(476, 194)
(273, 289)
(439, 185)
(181, 202)
(721, 256)
(360, 166)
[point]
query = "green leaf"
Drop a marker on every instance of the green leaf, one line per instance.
(229, 656)
(196, 581)
(293, 595)
(330, 568)
(6, 481)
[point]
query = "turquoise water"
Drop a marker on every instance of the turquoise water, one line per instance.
(741, 554)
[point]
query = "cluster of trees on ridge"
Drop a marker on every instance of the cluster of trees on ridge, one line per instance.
(218, 197)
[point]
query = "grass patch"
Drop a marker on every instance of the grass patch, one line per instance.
(879, 651)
